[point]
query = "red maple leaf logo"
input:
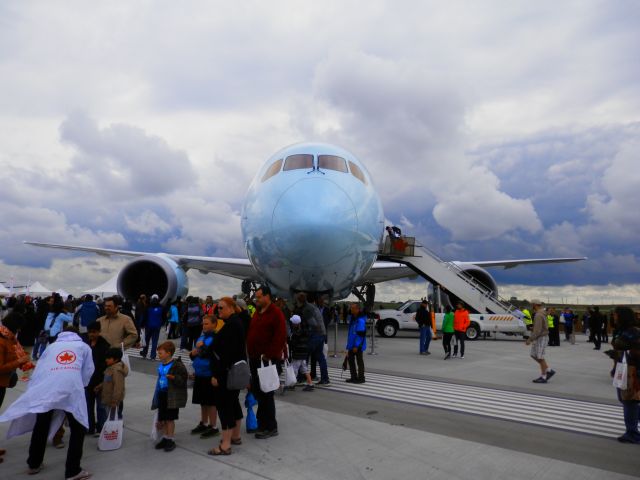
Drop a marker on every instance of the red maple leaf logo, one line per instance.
(66, 357)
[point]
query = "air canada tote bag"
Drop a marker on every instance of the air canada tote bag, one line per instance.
(269, 378)
(620, 375)
(111, 434)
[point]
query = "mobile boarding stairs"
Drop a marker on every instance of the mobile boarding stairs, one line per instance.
(446, 274)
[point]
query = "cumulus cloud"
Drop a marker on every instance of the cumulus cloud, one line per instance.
(615, 212)
(122, 161)
(147, 222)
(480, 147)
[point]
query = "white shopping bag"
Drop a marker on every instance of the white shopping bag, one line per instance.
(620, 375)
(269, 378)
(112, 432)
(156, 433)
(325, 350)
(125, 357)
(290, 378)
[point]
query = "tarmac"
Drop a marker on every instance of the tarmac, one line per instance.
(329, 433)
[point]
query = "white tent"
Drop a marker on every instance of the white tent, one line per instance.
(110, 287)
(4, 290)
(37, 289)
(63, 293)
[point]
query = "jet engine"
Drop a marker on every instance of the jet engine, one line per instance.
(153, 274)
(480, 275)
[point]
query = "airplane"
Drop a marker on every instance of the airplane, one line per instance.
(311, 221)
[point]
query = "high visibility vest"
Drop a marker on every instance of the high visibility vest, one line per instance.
(527, 317)
(550, 321)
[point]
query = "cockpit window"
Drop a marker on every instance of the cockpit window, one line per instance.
(301, 160)
(332, 162)
(272, 170)
(357, 172)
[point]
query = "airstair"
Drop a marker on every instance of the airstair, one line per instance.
(446, 274)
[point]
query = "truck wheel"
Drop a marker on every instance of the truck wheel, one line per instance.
(389, 328)
(473, 331)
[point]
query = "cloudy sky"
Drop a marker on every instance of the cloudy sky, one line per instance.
(492, 129)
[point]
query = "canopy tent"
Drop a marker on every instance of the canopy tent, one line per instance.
(4, 290)
(37, 289)
(63, 293)
(110, 287)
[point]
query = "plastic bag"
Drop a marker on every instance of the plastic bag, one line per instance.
(156, 433)
(290, 378)
(112, 433)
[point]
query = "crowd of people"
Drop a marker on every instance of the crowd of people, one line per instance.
(78, 347)
(80, 372)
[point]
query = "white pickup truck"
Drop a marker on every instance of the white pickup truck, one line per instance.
(389, 321)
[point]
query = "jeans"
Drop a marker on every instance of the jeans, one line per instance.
(95, 409)
(151, 336)
(425, 338)
(631, 411)
(266, 413)
(316, 348)
(460, 337)
(39, 443)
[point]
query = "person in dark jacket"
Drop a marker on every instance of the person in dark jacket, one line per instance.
(229, 347)
(154, 320)
(423, 318)
(99, 348)
(595, 325)
(627, 343)
(299, 351)
(88, 312)
(265, 342)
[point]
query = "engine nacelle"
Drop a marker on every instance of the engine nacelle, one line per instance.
(153, 274)
(480, 274)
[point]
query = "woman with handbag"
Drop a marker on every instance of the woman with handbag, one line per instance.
(627, 348)
(228, 348)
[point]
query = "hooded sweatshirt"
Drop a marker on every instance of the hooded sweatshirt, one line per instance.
(113, 383)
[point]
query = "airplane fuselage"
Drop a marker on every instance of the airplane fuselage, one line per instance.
(312, 220)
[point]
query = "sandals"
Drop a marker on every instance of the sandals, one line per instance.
(236, 441)
(220, 451)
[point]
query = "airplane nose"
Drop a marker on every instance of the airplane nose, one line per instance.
(314, 222)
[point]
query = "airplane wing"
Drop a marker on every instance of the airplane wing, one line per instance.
(385, 271)
(239, 268)
(524, 261)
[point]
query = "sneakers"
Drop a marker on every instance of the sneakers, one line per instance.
(162, 443)
(324, 383)
(447, 356)
(201, 428)
(461, 356)
(308, 388)
(550, 374)
(169, 446)
(33, 471)
(351, 380)
(540, 380)
(425, 353)
(57, 443)
(266, 434)
(80, 476)
(210, 432)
